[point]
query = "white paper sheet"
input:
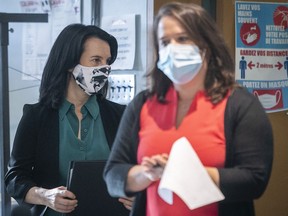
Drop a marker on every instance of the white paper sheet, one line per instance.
(123, 28)
(185, 175)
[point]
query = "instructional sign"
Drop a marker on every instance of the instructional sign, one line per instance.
(261, 57)
(38, 38)
(123, 28)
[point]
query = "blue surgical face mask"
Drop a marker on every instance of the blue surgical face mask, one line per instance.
(180, 63)
(91, 79)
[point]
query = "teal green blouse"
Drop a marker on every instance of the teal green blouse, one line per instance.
(92, 144)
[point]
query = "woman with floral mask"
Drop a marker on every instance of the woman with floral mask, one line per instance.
(72, 121)
(193, 94)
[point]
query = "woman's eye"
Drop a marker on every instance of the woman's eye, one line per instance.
(97, 61)
(183, 39)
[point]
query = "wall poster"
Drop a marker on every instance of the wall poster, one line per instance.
(261, 58)
(38, 37)
(123, 28)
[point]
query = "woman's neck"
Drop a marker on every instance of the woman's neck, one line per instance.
(76, 95)
(188, 91)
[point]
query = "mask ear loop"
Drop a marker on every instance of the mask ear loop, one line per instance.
(203, 54)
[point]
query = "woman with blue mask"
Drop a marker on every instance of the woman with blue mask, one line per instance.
(193, 94)
(72, 121)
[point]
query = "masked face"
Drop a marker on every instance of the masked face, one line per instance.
(91, 79)
(180, 63)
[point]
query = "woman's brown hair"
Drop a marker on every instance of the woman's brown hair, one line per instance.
(202, 29)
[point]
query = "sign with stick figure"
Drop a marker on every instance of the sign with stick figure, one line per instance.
(261, 54)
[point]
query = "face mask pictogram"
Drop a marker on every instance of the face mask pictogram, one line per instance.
(269, 101)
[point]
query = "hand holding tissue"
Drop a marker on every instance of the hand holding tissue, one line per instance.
(186, 176)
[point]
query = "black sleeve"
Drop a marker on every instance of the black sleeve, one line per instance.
(18, 178)
(124, 151)
(249, 152)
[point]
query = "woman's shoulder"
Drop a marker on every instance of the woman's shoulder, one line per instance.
(112, 103)
(241, 99)
(142, 96)
(32, 107)
(241, 94)
(139, 99)
(38, 111)
(109, 107)
(35, 107)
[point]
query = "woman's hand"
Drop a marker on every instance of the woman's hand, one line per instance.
(214, 174)
(153, 166)
(127, 202)
(58, 199)
(141, 176)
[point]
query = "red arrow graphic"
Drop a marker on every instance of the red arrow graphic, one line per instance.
(278, 65)
(250, 65)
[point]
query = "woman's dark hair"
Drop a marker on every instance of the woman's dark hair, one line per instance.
(64, 56)
(202, 29)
